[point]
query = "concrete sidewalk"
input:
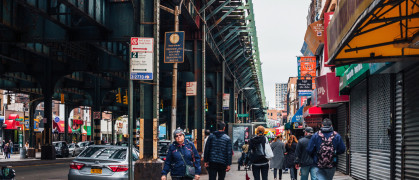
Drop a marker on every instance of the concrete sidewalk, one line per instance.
(16, 161)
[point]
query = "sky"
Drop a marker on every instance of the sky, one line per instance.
(280, 26)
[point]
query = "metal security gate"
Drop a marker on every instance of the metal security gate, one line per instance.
(342, 116)
(398, 116)
(379, 114)
(358, 131)
(411, 124)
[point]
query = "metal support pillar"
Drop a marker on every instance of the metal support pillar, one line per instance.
(223, 86)
(95, 123)
(199, 104)
(202, 121)
(219, 101)
(66, 116)
(48, 151)
(32, 107)
(174, 80)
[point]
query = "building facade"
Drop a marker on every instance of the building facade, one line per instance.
(280, 95)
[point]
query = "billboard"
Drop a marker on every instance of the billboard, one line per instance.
(307, 67)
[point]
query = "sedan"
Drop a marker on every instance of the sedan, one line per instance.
(101, 162)
(61, 148)
(74, 149)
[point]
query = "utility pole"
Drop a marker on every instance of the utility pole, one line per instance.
(174, 80)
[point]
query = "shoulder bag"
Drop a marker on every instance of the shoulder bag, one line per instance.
(190, 170)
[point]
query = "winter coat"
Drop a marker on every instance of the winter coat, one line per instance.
(290, 157)
(6, 149)
(316, 141)
(174, 163)
(218, 149)
(278, 148)
(301, 155)
(253, 147)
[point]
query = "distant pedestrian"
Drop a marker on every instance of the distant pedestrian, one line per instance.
(207, 134)
(290, 156)
(245, 149)
(277, 162)
(324, 146)
(218, 153)
(27, 146)
(11, 146)
(303, 159)
(181, 154)
(260, 164)
(6, 151)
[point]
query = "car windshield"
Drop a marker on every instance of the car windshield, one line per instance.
(57, 144)
(71, 146)
(114, 153)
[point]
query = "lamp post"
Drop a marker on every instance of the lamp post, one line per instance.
(240, 91)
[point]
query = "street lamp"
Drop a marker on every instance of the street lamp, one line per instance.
(240, 91)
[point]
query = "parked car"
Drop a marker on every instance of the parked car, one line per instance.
(61, 148)
(74, 149)
(102, 162)
(162, 148)
(84, 144)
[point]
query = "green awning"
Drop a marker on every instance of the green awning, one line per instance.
(352, 76)
(88, 130)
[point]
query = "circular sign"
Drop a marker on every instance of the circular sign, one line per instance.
(174, 38)
(56, 119)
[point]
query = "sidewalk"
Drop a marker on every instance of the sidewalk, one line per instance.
(234, 174)
(16, 161)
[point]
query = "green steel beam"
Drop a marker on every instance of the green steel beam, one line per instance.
(228, 35)
(205, 6)
(222, 18)
(224, 29)
(217, 10)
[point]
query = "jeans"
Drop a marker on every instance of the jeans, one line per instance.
(11, 150)
(293, 173)
(181, 178)
(217, 168)
(279, 173)
(306, 170)
(325, 174)
(258, 170)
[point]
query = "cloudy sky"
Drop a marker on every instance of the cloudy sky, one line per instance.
(281, 26)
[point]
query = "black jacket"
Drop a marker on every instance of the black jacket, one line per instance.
(218, 149)
(301, 155)
(253, 145)
(290, 157)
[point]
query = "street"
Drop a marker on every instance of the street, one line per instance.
(43, 171)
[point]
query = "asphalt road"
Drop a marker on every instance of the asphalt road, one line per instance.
(43, 171)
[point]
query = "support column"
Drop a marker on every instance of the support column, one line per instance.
(199, 99)
(32, 107)
(48, 151)
(223, 86)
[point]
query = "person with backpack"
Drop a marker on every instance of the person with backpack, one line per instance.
(277, 162)
(324, 146)
(6, 151)
(218, 153)
(182, 160)
(303, 160)
(257, 157)
(290, 156)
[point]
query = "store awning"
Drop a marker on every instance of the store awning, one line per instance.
(11, 124)
(298, 115)
(352, 76)
(365, 31)
(61, 127)
(328, 91)
(86, 130)
(314, 110)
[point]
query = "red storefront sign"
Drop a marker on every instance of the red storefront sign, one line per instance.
(328, 90)
(327, 18)
(11, 123)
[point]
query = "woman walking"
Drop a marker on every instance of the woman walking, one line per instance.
(183, 161)
(6, 151)
(260, 165)
(290, 156)
(277, 162)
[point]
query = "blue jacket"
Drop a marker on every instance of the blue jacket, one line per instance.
(174, 162)
(316, 141)
(218, 149)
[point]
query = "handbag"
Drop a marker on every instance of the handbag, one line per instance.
(268, 150)
(190, 170)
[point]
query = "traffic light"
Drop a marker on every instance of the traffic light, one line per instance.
(206, 105)
(126, 97)
(118, 96)
(161, 105)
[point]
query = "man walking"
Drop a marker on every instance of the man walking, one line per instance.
(324, 146)
(218, 153)
(303, 159)
(11, 146)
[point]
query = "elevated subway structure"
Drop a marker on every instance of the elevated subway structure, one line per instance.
(81, 49)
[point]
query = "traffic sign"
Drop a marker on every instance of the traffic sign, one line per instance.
(141, 58)
(174, 47)
(191, 88)
(56, 119)
(242, 115)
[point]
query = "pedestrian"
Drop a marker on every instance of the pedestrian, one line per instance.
(11, 146)
(218, 153)
(207, 134)
(182, 160)
(6, 151)
(303, 159)
(260, 164)
(277, 162)
(27, 146)
(290, 156)
(245, 149)
(324, 146)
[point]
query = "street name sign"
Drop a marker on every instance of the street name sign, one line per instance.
(242, 115)
(174, 47)
(141, 58)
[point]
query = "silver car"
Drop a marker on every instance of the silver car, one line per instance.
(74, 149)
(102, 162)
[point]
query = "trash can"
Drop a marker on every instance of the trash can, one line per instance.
(31, 153)
(22, 153)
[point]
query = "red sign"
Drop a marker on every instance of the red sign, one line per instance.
(191, 88)
(314, 121)
(328, 90)
(327, 18)
(308, 68)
